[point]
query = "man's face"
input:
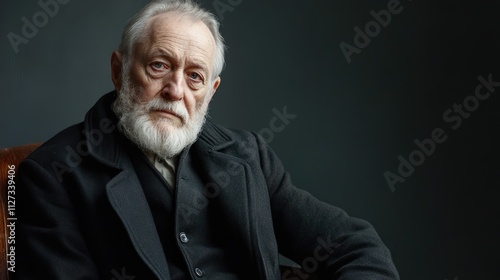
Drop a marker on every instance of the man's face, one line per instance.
(170, 83)
(175, 64)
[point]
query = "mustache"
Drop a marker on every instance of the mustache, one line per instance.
(176, 108)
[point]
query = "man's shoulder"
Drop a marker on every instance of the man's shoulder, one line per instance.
(73, 137)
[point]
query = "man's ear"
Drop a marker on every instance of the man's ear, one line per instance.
(116, 69)
(214, 88)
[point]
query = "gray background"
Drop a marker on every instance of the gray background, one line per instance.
(353, 120)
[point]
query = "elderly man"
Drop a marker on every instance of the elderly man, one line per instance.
(146, 188)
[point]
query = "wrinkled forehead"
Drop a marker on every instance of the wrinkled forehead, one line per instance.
(181, 35)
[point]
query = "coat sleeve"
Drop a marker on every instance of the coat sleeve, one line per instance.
(49, 242)
(321, 238)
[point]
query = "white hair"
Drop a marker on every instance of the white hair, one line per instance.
(136, 28)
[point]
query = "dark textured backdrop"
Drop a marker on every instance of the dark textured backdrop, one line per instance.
(353, 120)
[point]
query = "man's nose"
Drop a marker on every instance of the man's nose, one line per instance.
(173, 88)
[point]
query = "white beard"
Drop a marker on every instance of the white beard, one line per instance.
(158, 135)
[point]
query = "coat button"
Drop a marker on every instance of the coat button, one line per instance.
(183, 237)
(198, 272)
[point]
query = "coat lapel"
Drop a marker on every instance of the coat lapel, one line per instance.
(129, 202)
(232, 182)
(124, 191)
(243, 208)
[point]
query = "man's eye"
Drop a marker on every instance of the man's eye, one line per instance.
(157, 65)
(195, 76)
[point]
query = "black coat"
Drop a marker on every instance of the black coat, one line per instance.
(82, 213)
